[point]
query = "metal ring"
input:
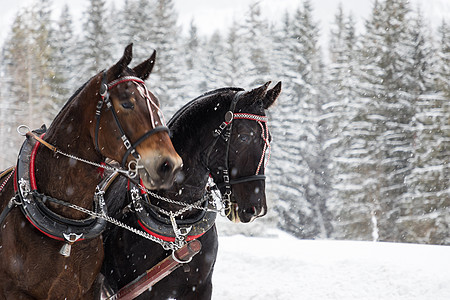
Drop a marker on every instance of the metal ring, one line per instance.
(15, 201)
(22, 133)
(133, 167)
(180, 261)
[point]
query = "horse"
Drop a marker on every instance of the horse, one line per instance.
(113, 116)
(222, 134)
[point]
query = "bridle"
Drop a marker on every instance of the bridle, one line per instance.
(224, 131)
(131, 147)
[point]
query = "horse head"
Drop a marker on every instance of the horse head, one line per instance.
(247, 144)
(130, 128)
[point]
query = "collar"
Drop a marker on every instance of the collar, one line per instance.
(157, 224)
(39, 215)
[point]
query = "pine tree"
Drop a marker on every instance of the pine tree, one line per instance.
(299, 181)
(28, 73)
(442, 68)
(214, 62)
(236, 59)
(425, 217)
(95, 43)
(258, 46)
(63, 62)
(164, 81)
(386, 54)
(351, 215)
(11, 90)
(192, 76)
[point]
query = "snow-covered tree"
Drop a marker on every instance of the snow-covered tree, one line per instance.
(351, 216)
(95, 43)
(236, 59)
(299, 170)
(425, 214)
(63, 59)
(166, 34)
(258, 45)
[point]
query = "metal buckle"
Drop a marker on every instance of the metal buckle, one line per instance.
(133, 167)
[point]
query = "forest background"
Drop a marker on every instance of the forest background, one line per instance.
(361, 132)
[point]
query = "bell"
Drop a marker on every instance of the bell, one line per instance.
(65, 250)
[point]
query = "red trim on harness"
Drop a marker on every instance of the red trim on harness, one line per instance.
(16, 187)
(34, 187)
(32, 164)
(168, 238)
(47, 234)
(101, 170)
(142, 186)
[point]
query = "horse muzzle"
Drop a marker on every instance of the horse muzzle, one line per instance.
(159, 171)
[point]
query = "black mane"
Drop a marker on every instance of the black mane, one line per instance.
(200, 99)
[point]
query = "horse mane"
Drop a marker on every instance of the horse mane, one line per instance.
(199, 100)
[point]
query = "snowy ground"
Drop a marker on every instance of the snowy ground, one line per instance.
(283, 267)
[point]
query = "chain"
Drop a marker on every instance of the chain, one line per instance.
(99, 195)
(187, 206)
(106, 167)
(131, 172)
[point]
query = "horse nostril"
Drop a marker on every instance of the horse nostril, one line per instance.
(165, 169)
(250, 211)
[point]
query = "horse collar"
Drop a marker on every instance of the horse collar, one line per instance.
(161, 227)
(32, 204)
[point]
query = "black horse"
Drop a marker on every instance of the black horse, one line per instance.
(222, 134)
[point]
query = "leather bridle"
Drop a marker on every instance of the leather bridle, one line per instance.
(224, 131)
(131, 147)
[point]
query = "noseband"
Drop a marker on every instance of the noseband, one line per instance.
(224, 131)
(131, 148)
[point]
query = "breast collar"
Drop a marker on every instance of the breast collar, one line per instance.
(151, 220)
(32, 203)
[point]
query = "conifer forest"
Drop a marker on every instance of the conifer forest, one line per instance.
(360, 133)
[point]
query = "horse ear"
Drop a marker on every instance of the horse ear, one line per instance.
(144, 69)
(256, 93)
(272, 95)
(115, 70)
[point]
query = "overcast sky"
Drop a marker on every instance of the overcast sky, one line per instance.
(218, 14)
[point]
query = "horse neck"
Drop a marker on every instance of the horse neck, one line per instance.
(59, 176)
(192, 135)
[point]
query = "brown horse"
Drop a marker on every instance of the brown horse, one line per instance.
(112, 116)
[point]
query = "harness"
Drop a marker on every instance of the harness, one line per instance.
(224, 131)
(32, 204)
(163, 225)
(182, 233)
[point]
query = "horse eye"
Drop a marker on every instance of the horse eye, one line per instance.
(127, 105)
(243, 137)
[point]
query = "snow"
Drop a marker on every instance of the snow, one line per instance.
(283, 267)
